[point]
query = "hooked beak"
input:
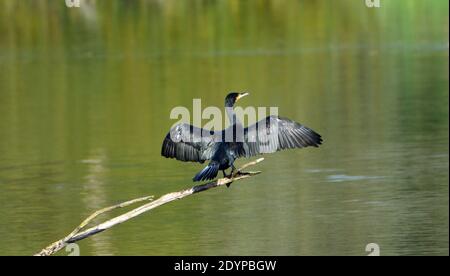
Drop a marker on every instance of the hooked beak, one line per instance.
(242, 95)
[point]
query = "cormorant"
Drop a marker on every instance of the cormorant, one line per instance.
(269, 135)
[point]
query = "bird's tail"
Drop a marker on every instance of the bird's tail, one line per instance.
(209, 172)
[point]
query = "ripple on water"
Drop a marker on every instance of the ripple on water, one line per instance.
(345, 177)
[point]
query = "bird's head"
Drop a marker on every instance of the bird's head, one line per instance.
(233, 97)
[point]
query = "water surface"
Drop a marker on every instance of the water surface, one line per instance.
(86, 96)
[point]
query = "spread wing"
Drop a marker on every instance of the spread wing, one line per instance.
(186, 142)
(275, 133)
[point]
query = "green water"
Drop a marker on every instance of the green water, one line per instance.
(85, 98)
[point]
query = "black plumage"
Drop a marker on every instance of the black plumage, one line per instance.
(189, 143)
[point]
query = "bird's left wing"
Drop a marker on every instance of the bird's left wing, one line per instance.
(186, 142)
(276, 133)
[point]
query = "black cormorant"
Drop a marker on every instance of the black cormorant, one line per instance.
(189, 143)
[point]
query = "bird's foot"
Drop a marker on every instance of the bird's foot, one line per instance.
(235, 174)
(226, 175)
(229, 176)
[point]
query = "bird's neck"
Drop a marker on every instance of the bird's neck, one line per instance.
(232, 115)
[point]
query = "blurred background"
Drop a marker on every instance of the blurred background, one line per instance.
(86, 93)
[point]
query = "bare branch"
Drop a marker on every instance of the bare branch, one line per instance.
(76, 235)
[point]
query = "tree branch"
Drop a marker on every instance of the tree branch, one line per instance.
(77, 234)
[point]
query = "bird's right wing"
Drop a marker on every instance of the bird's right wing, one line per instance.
(186, 142)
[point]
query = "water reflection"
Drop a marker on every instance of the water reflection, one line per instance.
(93, 196)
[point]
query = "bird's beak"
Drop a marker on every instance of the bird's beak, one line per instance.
(242, 95)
